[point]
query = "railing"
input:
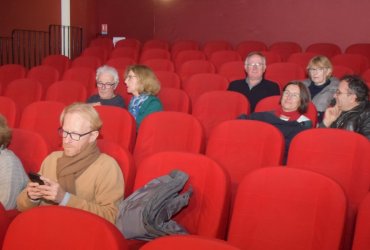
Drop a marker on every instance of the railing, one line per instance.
(6, 51)
(29, 47)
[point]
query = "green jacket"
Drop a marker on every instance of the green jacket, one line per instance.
(150, 105)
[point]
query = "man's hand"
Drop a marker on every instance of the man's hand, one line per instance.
(33, 191)
(51, 191)
(331, 114)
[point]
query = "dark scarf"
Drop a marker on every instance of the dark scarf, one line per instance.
(69, 168)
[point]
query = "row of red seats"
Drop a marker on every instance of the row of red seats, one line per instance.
(304, 200)
(284, 49)
(219, 52)
(209, 106)
(161, 59)
(58, 67)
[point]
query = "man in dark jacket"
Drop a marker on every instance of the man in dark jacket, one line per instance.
(352, 108)
(255, 87)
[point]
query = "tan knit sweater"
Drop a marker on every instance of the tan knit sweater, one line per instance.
(98, 190)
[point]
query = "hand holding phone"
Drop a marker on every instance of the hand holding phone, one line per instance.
(34, 177)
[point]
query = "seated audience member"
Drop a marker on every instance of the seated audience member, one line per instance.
(143, 85)
(79, 176)
(106, 80)
(255, 87)
(13, 178)
(321, 84)
(289, 117)
(352, 108)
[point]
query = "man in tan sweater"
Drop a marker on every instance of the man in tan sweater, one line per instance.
(79, 176)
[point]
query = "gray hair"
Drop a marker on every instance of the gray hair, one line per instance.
(255, 53)
(110, 70)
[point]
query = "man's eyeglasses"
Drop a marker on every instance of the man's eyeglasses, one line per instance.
(74, 136)
(318, 70)
(252, 65)
(338, 92)
(286, 93)
(107, 85)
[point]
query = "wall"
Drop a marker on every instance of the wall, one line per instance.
(84, 14)
(306, 21)
(26, 14)
(39, 14)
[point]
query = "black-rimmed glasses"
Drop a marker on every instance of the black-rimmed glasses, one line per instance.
(74, 136)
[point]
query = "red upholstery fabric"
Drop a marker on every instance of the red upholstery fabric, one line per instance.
(160, 64)
(222, 56)
(284, 209)
(100, 52)
(10, 72)
(154, 53)
(188, 55)
(128, 42)
(6, 217)
(339, 71)
(30, 147)
(193, 242)
(105, 42)
(23, 92)
(156, 44)
(48, 227)
(181, 45)
(167, 130)
(232, 70)
(361, 240)
(84, 75)
(9, 110)
(212, 46)
(201, 83)
(118, 126)
(282, 73)
(241, 146)
(43, 117)
(214, 107)
(59, 62)
(168, 79)
(92, 62)
(366, 76)
(271, 57)
(67, 92)
(124, 159)
(272, 103)
(327, 49)
(205, 215)
(359, 48)
(130, 52)
(120, 63)
(245, 47)
(358, 63)
(285, 49)
(45, 74)
(341, 155)
(174, 100)
(301, 58)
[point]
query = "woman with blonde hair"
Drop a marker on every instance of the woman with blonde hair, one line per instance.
(321, 84)
(142, 83)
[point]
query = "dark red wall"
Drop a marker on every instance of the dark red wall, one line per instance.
(26, 14)
(338, 21)
(39, 14)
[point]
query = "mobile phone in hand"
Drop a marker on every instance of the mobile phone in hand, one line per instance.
(34, 177)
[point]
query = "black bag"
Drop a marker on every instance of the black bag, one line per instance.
(146, 214)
